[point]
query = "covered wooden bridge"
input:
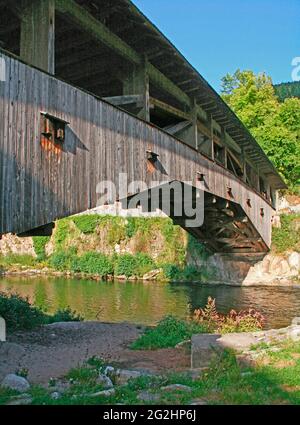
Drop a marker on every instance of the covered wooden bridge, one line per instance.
(91, 89)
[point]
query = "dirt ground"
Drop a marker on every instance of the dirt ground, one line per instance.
(50, 352)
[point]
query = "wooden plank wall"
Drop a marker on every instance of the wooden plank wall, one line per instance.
(38, 185)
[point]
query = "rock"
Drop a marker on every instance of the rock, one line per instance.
(296, 321)
(104, 381)
(2, 330)
(177, 387)
(109, 371)
(294, 333)
(55, 396)
(11, 350)
(60, 386)
(148, 397)
(105, 393)
(26, 401)
(123, 376)
(198, 402)
(204, 348)
(294, 261)
(241, 341)
(196, 374)
(184, 344)
(16, 383)
(245, 374)
(151, 275)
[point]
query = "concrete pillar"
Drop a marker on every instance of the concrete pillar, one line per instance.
(137, 83)
(2, 330)
(38, 34)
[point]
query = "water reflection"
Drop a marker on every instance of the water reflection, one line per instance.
(148, 302)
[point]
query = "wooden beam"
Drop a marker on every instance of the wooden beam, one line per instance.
(175, 129)
(137, 83)
(38, 34)
(85, 21)
(159, 80)
(124, 100)
(80, 17)
(169, 109)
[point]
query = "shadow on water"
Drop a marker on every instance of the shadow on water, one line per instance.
(147, 302)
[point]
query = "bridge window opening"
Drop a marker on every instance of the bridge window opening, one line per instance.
(10, 30)
(204, 145)
(234, 165)
(52, 128)
(219, 153)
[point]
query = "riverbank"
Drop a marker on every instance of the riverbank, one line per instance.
(52, 350)
(134, 248)
(272, 271)
(98, 368)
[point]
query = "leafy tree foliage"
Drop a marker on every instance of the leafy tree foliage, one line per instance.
(275, 125)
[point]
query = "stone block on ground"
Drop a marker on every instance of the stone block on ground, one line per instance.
(16, 383)
(205, 347)
(2, 330)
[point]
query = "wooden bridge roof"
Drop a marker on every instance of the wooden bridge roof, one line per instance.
(125, 19)
(141, 38)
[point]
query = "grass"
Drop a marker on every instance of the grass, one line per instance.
(168, 333)
(18, 260)
(19, 314)
(274, 381)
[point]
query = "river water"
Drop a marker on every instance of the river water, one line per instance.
(147, 302)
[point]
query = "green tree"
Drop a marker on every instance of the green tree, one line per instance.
(275, 125)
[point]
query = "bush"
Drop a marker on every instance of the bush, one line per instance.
(126, 265)
(62, 260)
(244, 321)
(19, 314)
(66, 315)
(93, 263)
(287, 238)
(171, 271)
(133, 265)
(168, 333)
(144, 264)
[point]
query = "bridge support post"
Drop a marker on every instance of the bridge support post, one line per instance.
(38, 34)
(137, 83)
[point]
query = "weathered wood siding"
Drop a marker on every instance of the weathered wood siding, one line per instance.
(40, 185)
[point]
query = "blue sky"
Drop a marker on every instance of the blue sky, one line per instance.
(220, 36)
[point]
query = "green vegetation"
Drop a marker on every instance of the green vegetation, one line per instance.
(62, 261)
(286, 90)
(92, 263)
(87, 223)
(133, 265)
(18, 260)
(87, 244)
(39, 243)
(171, 331)
(275, 125)
(288, 236)
(275, 380)
(168, 333)
(19, 314)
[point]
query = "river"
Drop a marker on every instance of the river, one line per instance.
(147, 302)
